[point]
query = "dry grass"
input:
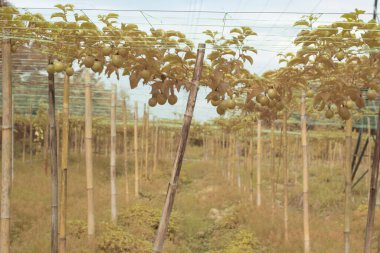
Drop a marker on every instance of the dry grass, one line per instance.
(202, 188)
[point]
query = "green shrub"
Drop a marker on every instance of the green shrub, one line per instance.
(115, 239)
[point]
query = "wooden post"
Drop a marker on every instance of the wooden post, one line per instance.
(125, 147)
(88, 159)
(113, 155)
(259, 152)
(136, 118)
(348, 195)
(163, 226)
(305, 173)
(6, 145)
(64, 165)
(373, 190)
(53, 165)
(286, 174)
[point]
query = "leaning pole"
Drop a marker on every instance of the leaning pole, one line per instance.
(164, 222)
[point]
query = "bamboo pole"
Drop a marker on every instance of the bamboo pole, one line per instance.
(306, 232)
(238, 167)
(155, 158)
(259, 152)
(142, 146)
(46, 149)
(125, 147)
(24, 143)
(229, 157)
(64, 165)
(53, 165)
(147, 143)
(88, 160)
(273, 169)
(348, 195)
(6, 145)
(373, 191)
(250, 155)
(136, 118)
(286, 174)
(113, 155)
(163, 226)
(30, 133)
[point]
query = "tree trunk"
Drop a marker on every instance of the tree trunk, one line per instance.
(373, 190)
(6, 145)
(113, 155)
(258, 176)
(88, 160)
(163, 226)
(286, 174)
(369, 151)
(53, 166)
(348, 197)
(306, 232)
(64, 165)
(125, 148)
(136, 118)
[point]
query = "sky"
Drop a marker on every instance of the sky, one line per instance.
(271, 19)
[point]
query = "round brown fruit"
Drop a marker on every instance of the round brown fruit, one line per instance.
(107, 50)
(272, 104)
(360, 103)
(340, 55)
(309, 93)
(161, 99)
(152, 102)
(263, 100)
(145, 74)
(58, 66)
(344, 113)
(14, 49)
(69, 71)
(221, 110)
(215, 102)
(123, 51)
(172, 99)
(279, 106)
(89, 61)
(97, 67)
(272, 93)
(250, 105)
(350, 104)
(50, 69)
(371, 95)
(329, 114)
(117, 60)
(231, 104)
